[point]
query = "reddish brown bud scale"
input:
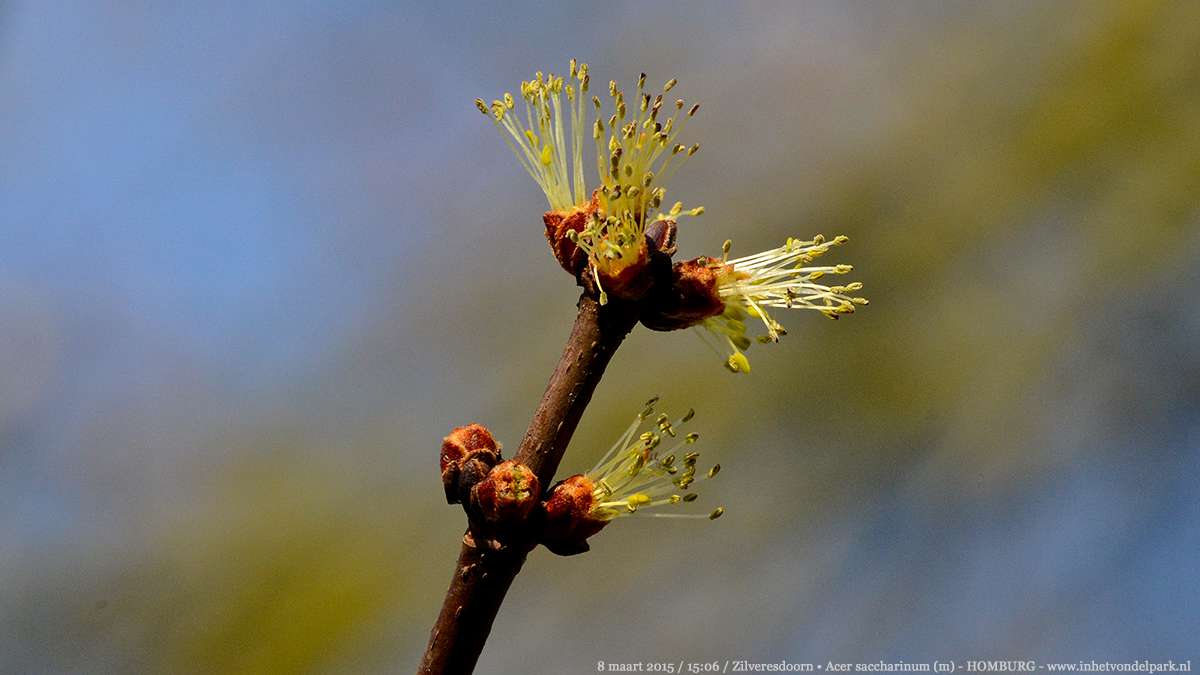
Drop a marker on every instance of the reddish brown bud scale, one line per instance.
(507, 495)
(567, 521)
(468, 453)
(661, 234)
(559, 223)
(466, 440)
(691, 297)
(472, 470)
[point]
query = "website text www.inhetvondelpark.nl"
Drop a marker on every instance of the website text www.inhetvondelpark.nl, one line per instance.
(968, 666)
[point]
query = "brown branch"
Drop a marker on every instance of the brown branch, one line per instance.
(483, 574)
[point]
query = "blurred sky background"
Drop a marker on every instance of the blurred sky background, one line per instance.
(256, 259)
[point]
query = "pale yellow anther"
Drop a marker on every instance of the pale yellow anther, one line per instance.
(738, 363)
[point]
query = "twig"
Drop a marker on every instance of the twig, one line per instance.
(482, 576)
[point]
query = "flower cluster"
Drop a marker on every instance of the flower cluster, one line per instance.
(601, 233)
(609, 235)
(651, 466)
(782, 277)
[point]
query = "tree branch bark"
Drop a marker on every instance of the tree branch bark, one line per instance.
(483, 575)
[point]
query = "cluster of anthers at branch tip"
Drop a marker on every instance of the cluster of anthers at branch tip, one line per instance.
(599, 232)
